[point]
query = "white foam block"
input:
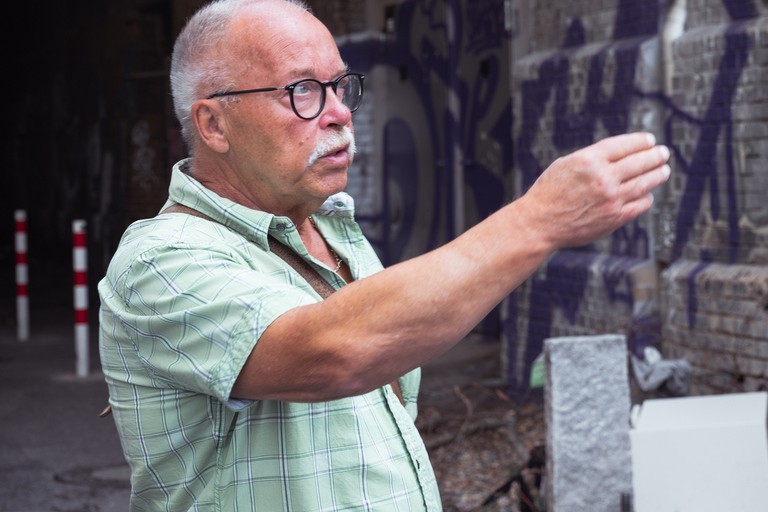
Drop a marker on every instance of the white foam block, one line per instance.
(696, 454)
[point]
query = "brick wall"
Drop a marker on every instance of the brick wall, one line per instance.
(687, 277)
(714, 234)
(363, 182)
(715, 316)
(720, 135)
(588, 70)
(580, 293)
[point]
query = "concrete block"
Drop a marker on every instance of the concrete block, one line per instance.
(587, 416)
(701, 453)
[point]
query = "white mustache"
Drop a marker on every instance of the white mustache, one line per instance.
(333, 141)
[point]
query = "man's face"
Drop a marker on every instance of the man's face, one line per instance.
(275, 153)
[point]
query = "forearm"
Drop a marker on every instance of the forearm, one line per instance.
(374, 330)
(434, 300)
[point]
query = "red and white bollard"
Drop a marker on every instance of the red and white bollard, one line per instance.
(22, 276)
(80, 266)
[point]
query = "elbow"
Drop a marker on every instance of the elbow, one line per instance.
(310, 369)
(352, 368)
(348, 376)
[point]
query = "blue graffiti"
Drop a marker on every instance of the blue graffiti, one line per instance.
(564, 280)
(577, 130)
(396, 54)
(486, 27)
(566, 276)
(562, 286)
(400, 165)
(458, 129)
(702, 171)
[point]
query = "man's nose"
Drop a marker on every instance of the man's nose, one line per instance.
(334, 111)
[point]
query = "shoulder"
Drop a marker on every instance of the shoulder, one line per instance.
(176, 230)
(177, 235)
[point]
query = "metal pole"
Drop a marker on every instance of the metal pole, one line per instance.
(80, 266)
(22, 276)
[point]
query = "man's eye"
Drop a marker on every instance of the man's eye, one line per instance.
(303, 88)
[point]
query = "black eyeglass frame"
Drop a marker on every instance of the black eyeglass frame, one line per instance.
(290, 87)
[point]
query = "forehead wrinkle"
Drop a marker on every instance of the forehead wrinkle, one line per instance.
(283, 48)
(287, 49)
(274, 46)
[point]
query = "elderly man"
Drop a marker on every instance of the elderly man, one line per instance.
(234, 385)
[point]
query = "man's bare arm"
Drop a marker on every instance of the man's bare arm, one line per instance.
(374, 330)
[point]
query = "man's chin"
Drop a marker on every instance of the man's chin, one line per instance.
(340, 184)
(329, 180)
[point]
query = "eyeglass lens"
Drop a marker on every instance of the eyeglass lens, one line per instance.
(308, 96)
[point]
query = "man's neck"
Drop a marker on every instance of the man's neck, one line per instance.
(217, 177)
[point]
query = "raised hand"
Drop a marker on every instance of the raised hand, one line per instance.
(591, 192)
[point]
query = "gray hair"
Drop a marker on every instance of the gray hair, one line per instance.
(195, 69)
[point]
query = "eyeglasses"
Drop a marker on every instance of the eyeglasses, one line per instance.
(308, 95)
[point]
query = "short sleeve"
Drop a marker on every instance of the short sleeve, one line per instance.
(193, 313)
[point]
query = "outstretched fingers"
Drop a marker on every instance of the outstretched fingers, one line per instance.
(621, 146)
(635, 197)
(639, 163)
(640, 186)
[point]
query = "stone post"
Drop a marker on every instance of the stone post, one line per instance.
(587, 407)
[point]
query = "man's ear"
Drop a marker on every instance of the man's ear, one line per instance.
(208, 117)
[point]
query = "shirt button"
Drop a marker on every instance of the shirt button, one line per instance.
(338, 204)
(281, 227)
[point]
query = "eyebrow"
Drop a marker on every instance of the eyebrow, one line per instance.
(310, 72)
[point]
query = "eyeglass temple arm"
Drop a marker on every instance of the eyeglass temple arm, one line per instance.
(230, 93)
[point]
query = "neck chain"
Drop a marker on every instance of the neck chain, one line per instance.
(336, 256)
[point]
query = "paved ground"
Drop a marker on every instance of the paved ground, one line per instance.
(56, 454)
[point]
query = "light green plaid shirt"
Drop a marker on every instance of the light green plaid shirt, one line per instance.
(184, 302)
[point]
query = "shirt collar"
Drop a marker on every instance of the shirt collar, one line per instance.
(253, 224)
